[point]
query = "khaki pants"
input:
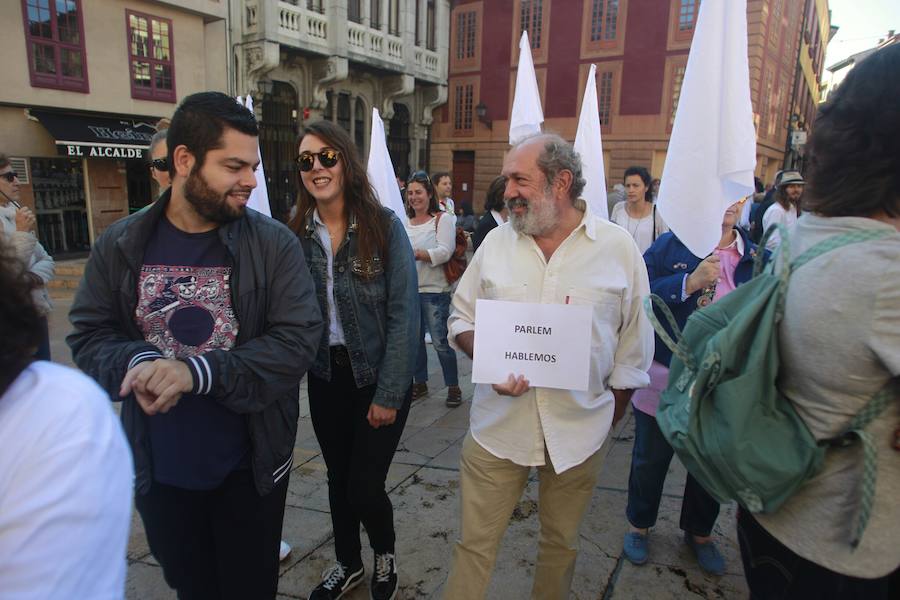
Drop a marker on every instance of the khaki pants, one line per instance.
(490, 488)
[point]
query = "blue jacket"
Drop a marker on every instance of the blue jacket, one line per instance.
(378, 305)
(668, 263)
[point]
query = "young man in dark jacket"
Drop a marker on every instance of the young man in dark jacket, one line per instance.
(201, 317)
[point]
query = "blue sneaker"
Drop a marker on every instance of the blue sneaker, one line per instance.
(635, 547)
(708, 556)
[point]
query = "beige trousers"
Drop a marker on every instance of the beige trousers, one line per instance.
(490, 488)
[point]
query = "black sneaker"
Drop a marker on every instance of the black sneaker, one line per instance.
(337, 581)
(384, 580)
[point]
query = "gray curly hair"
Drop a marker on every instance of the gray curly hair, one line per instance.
(558, 155)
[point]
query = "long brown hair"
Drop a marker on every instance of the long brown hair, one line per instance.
(359, 198)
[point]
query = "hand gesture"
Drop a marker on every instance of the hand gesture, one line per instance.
(157, 385)
(514, 386)
(24, 219)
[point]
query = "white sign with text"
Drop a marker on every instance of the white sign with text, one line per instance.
(550, 344)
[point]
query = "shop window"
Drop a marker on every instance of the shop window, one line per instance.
(54, 36)
(59, 204)
(150, 51)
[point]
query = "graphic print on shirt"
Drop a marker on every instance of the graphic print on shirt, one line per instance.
(186, 311)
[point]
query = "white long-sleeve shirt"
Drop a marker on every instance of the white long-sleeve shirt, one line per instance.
(66, 478)
(440, 242)
(598, 264)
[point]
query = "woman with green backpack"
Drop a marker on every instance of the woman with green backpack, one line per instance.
(839, 343)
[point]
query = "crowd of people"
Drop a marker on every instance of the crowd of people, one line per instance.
(201, 318)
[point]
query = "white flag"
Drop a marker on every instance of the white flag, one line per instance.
(381, 170)
(712, 151)
(259, 197)
(590, 147)
(527, 114)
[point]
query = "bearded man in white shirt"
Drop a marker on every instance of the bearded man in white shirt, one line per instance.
(553, 250)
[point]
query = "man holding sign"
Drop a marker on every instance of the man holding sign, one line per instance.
(553, 252)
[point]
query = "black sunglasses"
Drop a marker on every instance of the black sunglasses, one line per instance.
(9, 176)
(420, 176)
(327, 158)
(160, 164)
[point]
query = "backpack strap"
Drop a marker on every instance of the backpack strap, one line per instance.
(856, 429)
(837, 241)
(677, 347)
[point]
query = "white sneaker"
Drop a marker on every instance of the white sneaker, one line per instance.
(427, 338)
(284, 550)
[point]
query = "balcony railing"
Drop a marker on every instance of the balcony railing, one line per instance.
(308, 30)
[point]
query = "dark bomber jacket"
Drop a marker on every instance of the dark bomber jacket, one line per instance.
(280, 327)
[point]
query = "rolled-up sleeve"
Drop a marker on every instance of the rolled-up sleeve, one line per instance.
(462, 315)
(445, 240)
(634, 352)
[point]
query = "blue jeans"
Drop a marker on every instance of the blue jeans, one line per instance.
(650, 460)
(435, 310)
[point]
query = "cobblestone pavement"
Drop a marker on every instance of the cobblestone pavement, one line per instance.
(424, 486)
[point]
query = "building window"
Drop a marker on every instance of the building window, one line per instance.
(677, 80)
(394, 17)
(531, 17)
(54, 34)
(687, 15)
(354, 11)
(375, 14)
(462, 107)
(604, 96)
(343, 112)
(465, 35)
(604, 20)
(359, 127)
(150, 53)
(430, 38)
(315, 5)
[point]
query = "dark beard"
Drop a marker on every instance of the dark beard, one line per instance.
(208, 204)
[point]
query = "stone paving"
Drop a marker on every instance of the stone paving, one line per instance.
(424, 487)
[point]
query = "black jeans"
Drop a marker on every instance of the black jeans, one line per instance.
(774, 572)
(650, 458)
(217, 544)
(357, 456)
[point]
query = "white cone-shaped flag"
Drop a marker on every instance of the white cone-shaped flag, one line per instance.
(527, 114)
(259, 197)
(712, 151)
(590, 147)
(381, 169)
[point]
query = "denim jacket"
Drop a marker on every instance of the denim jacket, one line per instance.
(378, 305)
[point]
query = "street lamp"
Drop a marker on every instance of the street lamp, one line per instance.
(481, 111)
(265, 86)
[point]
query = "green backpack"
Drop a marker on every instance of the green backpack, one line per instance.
(722, 412)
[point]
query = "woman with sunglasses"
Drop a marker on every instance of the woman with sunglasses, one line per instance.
(432, 233)
(359, 384)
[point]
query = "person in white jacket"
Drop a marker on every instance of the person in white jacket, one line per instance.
(17, 228)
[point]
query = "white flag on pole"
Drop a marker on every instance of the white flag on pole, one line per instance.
(527, 114)
(381, 170)
(712, 151)
(589, 145)
(259, 197)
